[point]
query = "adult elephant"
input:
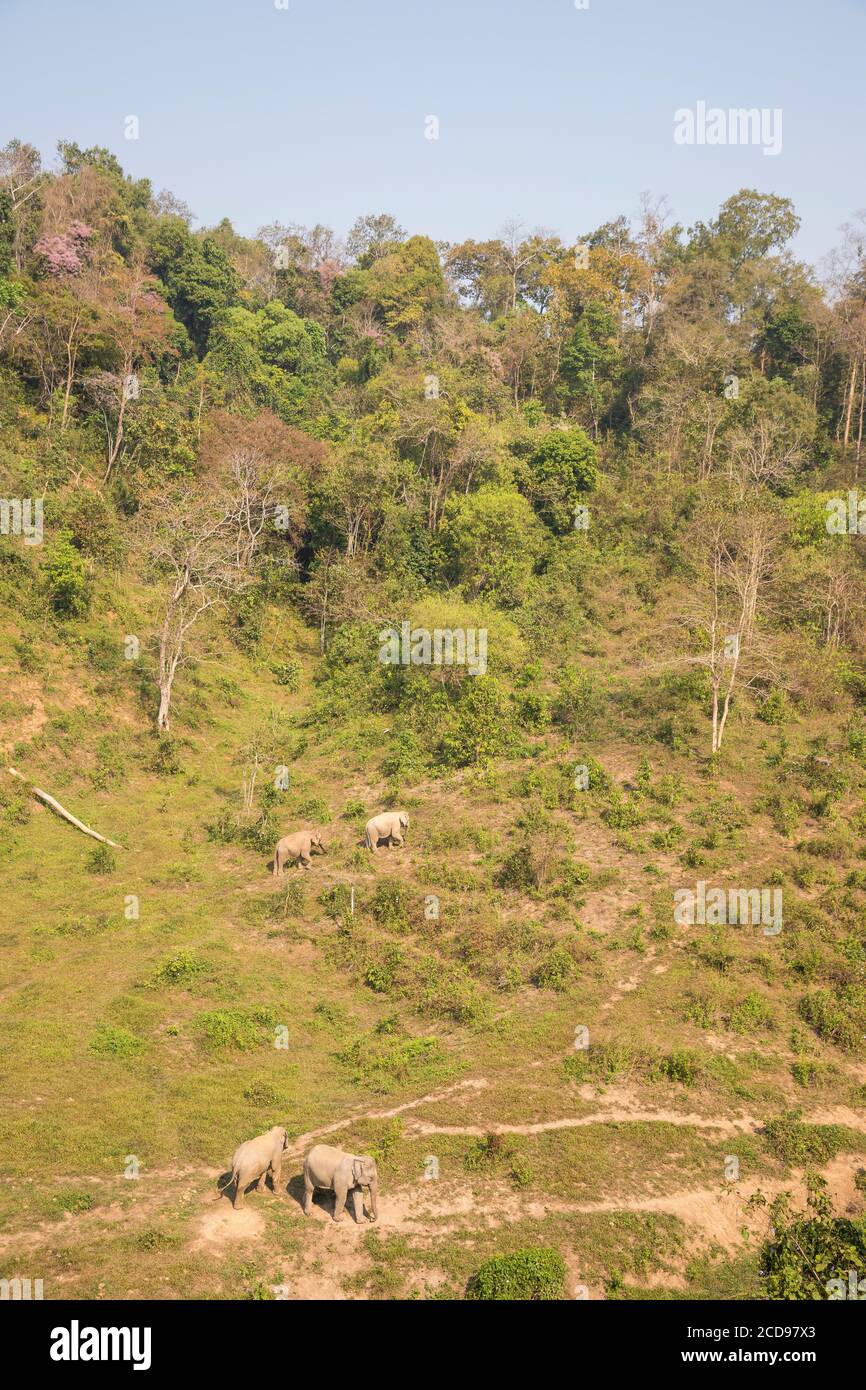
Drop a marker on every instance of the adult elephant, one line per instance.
(341, 1173)
(298, 847)
(388, 827)
(253, 1159)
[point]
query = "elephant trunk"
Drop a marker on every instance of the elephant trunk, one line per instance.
(374, 1199)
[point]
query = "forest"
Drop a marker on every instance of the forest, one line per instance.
(554, 547)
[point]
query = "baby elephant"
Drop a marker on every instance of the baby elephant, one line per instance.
(252, 1160)
(297, 846)
(389, 827)
(341, 1173)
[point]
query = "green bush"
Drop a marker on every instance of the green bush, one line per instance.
(241, 1029)
(391, 905)
(831, 1020)
(555, 970)
(383, 1061)
(526, 1275)
(807, 1251)
(181, 968)
(793, 1142)
(110, 1041)
(101, 860)
(681, 1065)
(66, 580)
(774, 708)
(287, 673)
(482, 727)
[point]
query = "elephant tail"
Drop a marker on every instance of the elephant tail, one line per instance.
(221, 1187)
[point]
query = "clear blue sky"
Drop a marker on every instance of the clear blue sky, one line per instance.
(557, 116)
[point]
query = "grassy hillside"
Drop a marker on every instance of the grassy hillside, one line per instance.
(412, 1037)
(234, 471)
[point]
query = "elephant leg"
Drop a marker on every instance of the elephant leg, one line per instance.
(306, 861)
(275, 1176)
(340, 1195)
(358, 1204)
(397, 840)
(308, 1195)
(260, 1185)
(240, 1187)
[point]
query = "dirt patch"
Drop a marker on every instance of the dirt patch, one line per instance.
(222, 1226)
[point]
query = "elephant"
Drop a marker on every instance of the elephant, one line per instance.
(389, 826)
(297, 846)
(254, 1158)
(341, 1173)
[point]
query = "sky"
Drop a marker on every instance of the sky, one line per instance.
(319, 110)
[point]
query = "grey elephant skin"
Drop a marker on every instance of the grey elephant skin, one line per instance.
(298, 847)
(389, 826)
(342, 1174)
(253, 1160)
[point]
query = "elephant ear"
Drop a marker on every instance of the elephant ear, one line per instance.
(358, 1170)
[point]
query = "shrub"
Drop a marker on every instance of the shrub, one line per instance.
(313, 809)
(751, 1013)
(807, 1251)
(577, 701)
(486, 1153)
(681, 1065)
(533, 710)
(101, 861)
(71, 1200)
(287, 673)
(525, 1275)
(166, 759)
(405, 760)
(181, 968)
(66, 580)
(792, 1141)
(555, 970)
(263, 1095)
(391, 905)
(110, 1041)
(337, 901)
(482, 728)
(384, 1061)
(774, 708)
(622, 813)
(830, 1020)
(239, 1028)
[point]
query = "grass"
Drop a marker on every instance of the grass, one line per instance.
(225, 1002)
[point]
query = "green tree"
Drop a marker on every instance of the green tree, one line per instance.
(562, 469)
(406, 284)
(198, 275)
(494, 541)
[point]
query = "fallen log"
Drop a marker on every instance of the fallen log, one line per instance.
(61, 811)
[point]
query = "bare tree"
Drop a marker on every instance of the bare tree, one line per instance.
(20, 179)
(735, 553)
(207, 545)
